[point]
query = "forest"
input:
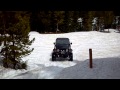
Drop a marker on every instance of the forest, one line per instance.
(66, 21)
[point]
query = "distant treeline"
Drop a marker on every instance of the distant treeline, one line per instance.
(66, 21)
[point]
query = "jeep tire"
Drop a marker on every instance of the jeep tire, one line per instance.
(53, 57)
(71, 57)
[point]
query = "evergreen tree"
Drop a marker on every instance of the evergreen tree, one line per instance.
(69, 21)
(84, 15)
(91, 15)
(43, 20)
(75, 18)
(108, 17)
(66, 21)
(4, 17)
(53, 22)
(16, 39)
(36, 23)
(33, 21)
(59, 18)
(56, 20)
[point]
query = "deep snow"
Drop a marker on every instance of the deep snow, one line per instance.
(106, 57)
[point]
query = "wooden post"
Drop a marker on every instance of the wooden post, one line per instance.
(90, 57)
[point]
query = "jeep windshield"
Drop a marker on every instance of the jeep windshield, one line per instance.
(62, 43)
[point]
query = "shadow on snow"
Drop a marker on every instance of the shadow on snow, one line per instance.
(103, 68)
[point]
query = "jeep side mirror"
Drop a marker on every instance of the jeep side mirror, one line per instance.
(54, 43)
(70, 43)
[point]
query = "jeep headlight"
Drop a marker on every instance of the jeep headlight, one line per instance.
(70, 50)
(66, 50)
(58, 50)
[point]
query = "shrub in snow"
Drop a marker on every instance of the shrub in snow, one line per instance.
(15, 38)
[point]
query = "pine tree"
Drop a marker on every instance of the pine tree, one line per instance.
(84, 15)
(3, 33)
(1, 28)
(43, 20)
(16, 39)
(59, 18)
(75, 18)
(33, 21)
(91, 15)
(53, 22)
(36, 23)
(66, 21)
(108, 17)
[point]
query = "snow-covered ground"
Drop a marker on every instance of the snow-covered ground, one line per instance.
(106, 57)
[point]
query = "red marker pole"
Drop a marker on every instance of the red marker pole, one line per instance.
(90, 56)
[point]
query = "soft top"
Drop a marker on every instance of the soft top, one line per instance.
(62, 41)
(62, 38)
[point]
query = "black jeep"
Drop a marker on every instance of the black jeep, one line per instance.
(62, 49)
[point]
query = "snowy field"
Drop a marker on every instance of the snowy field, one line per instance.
(106, 57)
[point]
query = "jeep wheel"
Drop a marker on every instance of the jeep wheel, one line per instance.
(71, 57)
(53, 58)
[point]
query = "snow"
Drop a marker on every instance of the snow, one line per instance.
(106, 57)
